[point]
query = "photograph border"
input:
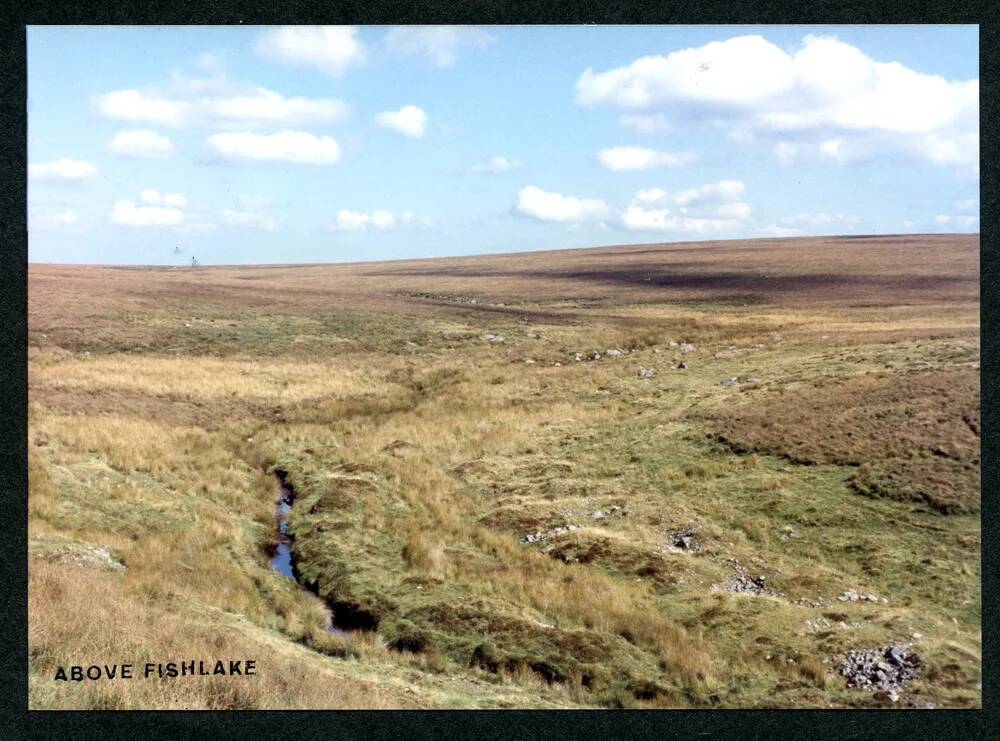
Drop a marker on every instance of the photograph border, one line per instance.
(18, 722)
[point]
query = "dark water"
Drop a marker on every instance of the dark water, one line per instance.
(282, 559)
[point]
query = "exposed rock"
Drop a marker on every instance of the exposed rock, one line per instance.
(687, 347)
(539, 536)
(852, 595)
(612, 352)
(88, 556)
(756, 585)
(647, 372)
(684, 540)
(886, 669)
(671, 343)
(729, 382)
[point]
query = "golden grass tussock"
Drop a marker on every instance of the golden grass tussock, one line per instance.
(207, 377)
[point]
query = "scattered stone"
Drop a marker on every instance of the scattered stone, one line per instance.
(758, 346)
(577, 357)
(687, 347)
(490, 337)
(671, 343)
(787, 532)
(88, 556)
(647, 372)
(682, 365)
(886, 669)
(87, 354)
(729, 382)
(756, 585)
(820, 625)
(529, 361)
(539, 536)
(612, 352)
(751, 379)
(852, 595)
(684, 540)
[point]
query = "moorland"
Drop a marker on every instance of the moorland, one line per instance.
(661, 475)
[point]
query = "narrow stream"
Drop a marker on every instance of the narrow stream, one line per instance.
(281, 561)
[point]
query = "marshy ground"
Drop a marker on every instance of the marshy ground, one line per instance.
(500, 523)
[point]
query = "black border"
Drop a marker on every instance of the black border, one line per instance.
(17, 722)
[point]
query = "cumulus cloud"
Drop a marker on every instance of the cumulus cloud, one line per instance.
(826, 99)
(641, 158)
(249, 219)
(65, 222)
(820, 218)
(942, 219)
(497, 164)
(62, 169)
(298, 147)
(188, 104)
(708, 208)
(439, 45)
(127, 213)
(354, 221)
(141, 144)
(329, 49)
(409, 121)
(550, 206)
(645, 124)
(156, 209)
(774, 230)
(153, 197)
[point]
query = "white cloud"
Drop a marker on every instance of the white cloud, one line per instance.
(548, 206)
(329, 49)
(969, 204)
(354, 221)
(438, 44)
(262, 107)
(62, 169)
(645, 124)
(128, 214)
(409, 121)
(826, 99)
(497, 164)
(186, 104)
(773, 230)
(64, 222)
(942, 219)
(819, 219)
(285, 146)
(156, 209)
(713, 207)
(138, 107)
(153, 197)
(908, 225)
(641, 158)
(249, 219)
(141, 144)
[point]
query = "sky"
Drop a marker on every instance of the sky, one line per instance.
(236, 144)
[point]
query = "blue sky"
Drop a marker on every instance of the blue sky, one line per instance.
(150, 145)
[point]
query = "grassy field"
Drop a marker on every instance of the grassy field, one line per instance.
(822, 432)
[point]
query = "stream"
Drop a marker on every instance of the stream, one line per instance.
(281, 561)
